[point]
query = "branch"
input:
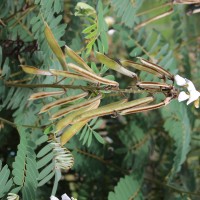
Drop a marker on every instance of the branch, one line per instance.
(16, 125)
(171, 187)
(8, 122)
(77, 87)
(106, 162)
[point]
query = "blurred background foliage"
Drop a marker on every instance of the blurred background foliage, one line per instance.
(151, 155)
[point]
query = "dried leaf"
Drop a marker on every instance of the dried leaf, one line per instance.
(40, 95)
(69, 109)
(129, 63)
(71, 75)
(69, 118)
(55, 46)
(186, 1)
(114, 65)
(62, 101)
(154, 85)
(77, 58)
(34, 70)
(112, 108)
(72, 130)
(157, 68)
(92, 76)
(145, 108)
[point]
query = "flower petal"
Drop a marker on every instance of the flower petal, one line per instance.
(183, 96)
(65, 197)
(190, 85)
(53, 198)
(180, 80)
(194, 95)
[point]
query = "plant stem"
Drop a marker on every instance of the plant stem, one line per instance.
(76, 87)
(126, 172)
(8, 122)
(24, 12)
(171, 187)
(16, 125)
(107, 162)
(153, 9)
(142, 48)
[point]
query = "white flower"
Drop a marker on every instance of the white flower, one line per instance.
(111, 31)
(180, 80)
(53, 198)
(193, 93)
(183, 96)
(64, 197)
(194, 96)
(190, 85)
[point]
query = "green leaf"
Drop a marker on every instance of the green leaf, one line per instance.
(127, 188)
(44, 151)
(86, 137)
(46, 171)
(83, 132)
(45, 160)
(46, 179)
(99, 138)
(5, 183)
(136, 52)
(91, 43)
(94, 68)
(89, 141)
(104, 40)
(89, 28)
(126, 11)
(42, 139)
(91, 35)
(180, 131)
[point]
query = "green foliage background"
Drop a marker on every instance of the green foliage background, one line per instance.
(152, 155)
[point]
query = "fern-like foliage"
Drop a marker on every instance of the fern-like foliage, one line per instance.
(136, 146)
(88, 132)
(127, 10)
(45, 163)
(51, 157)
(96, 31)
(155, 48)
(5, 182)
(47, 12)
(5, 7)
(127, 188)
(177, 125)
(158, 150)
(25, 167)
(87, 157)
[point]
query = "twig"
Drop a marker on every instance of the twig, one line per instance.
(171, 187)
(102, 160)
(142, 48)
(24, 12)
(16, 125)
(76, 87)
(153, 9)
(154, 19)
(8, 122)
